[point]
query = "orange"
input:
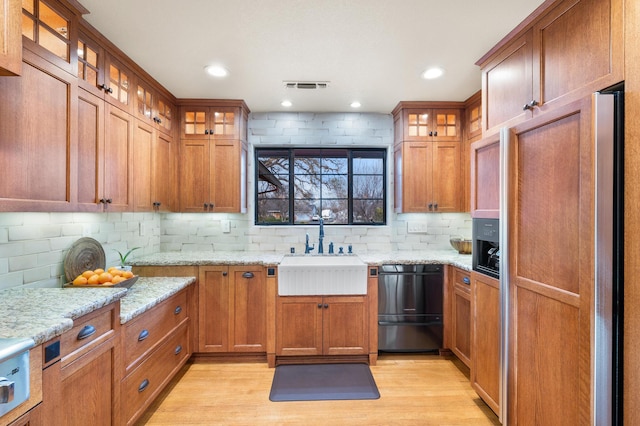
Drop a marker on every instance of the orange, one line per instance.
(93, 279)
(111, 269)
(115, 272)
(105, 277)
(127, 274)
(80, 280)
(117, 279)
(87, 274)
(98, 271)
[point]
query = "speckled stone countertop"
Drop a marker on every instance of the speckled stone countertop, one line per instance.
(44, 313)
(147, 292)
(445, 256)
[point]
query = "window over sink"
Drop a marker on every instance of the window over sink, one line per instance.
(298, 186)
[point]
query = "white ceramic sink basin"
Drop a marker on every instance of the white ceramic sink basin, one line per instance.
(321, 275)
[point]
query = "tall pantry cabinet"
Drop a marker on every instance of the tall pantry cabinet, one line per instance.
(538, 83)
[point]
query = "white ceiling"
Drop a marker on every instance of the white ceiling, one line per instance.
(373, 51)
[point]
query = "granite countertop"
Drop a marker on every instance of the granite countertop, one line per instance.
(44, 313)
(444, 256)
(147, 292)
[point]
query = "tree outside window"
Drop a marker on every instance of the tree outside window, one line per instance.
(300, 186)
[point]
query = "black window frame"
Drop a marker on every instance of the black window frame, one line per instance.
(383, 152)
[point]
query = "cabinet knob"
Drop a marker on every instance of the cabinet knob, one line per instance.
(430, 206)
(530, 105)
(178, 349)
(177, 310)
(109, 200)
(435, 133)
(430, 133)
(143, 335)
(87, 331)
(319, 305)
(143, 385)
(435, 206)
(326, 306)
(224, 274)
(206, 131)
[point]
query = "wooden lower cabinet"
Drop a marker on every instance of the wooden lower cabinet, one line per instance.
(232, 308)
(317, 325)
(155, 346)
(485, 339)
(142, 385)
(82, 387)
(461, 316)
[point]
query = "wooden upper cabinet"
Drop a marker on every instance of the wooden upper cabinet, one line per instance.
(427, 157)
(546, 63)
(10, 37)
(39, 117)
(485, 177)
(153, 107)
(473, 115)
(426, 124)
(225, 120)
(50, 29)
(213, 156)
(101, 74)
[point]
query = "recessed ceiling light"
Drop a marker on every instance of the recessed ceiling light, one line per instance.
(216, 70)
(355, 104)
(286, 103)
(432, 73)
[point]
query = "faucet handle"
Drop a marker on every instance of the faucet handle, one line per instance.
(331, 247)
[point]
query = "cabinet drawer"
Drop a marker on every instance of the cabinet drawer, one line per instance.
(462, 281)
(145, 382)
(87, 330)
(143, 333)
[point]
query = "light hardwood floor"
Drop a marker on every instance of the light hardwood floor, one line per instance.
(414, 390)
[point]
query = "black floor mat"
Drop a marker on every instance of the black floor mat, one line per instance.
(316, 382)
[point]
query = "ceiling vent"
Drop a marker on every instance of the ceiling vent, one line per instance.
(306, 84)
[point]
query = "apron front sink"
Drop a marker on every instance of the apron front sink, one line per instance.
(322, 275)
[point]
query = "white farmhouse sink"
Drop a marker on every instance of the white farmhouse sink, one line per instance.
(321, 275)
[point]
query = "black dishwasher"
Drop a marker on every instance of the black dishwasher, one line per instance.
(410, 308)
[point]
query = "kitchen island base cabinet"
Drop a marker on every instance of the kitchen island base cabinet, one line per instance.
(322, 326)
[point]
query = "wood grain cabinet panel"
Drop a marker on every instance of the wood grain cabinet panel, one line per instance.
(485, 339)
(428, 167)
(213, 157)
(83, 386)
(568, 51)
(317, 325)
(485, 177)
(38, 113)
(10, 37)
(232, 309)
(461, 315)
(551, 267)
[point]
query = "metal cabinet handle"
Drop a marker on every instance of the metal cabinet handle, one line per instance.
(7, 390)
(87, 331)
(430, 206)
(143, 335)
(178, 349)
(143, 385)
(326, 306)
(247, 275)
(530, 105)
(435, 133)
(319, 305)
(466, 280)
(225, 273)
(435, 206)
(177, 310)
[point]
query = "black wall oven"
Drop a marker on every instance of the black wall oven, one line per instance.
(485, 254)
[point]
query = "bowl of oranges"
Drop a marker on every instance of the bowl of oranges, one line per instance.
(84, 266)
(112, 277)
